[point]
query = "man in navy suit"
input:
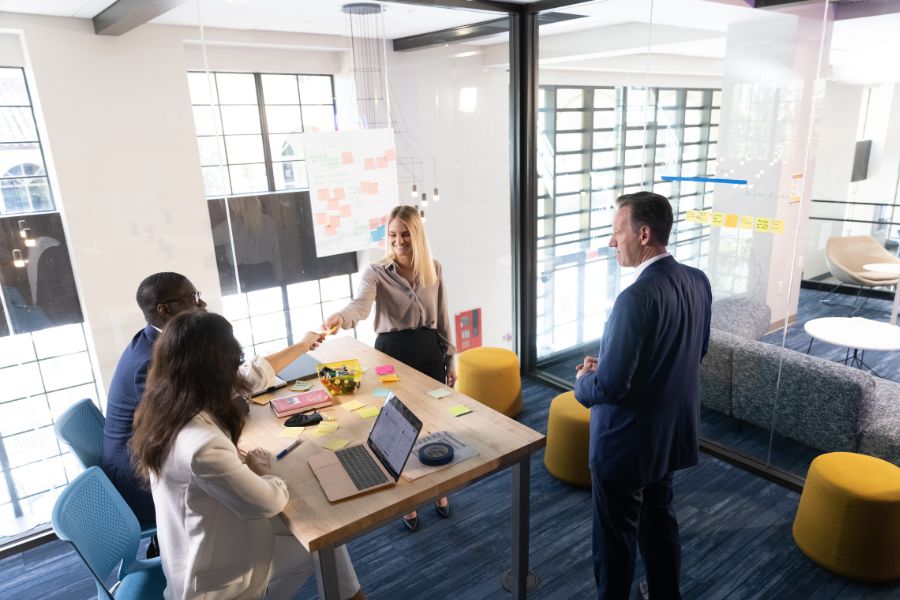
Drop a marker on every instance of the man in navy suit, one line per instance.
(160, 297)
(644, 399)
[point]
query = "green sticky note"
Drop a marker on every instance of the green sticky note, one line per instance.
(368, 412)
(381, 392)
(352, 405)
(301, 386)
(439, 393)
(459, 410)
(290, 432)
(335, 443)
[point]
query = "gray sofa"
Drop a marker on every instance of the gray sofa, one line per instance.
(823, 404)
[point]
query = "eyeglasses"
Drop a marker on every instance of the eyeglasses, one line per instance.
(195, 295)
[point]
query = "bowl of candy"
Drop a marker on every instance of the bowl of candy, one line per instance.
(340, 377)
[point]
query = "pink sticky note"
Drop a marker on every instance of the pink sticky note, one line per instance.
(373, 223)
(346, 158)
(334, 205)
(381, 162)
(384, 369)
(368, 187)
(369, 163)
(339, 193)
(323, 195)
(330, 229)
(389, 154)
(321, 218)
(346, 211)
(334, 220)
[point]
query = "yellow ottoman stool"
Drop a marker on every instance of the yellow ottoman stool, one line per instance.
(568, 437)
(848, 520)
(491, 376)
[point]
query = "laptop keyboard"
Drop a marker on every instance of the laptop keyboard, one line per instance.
(360, 467)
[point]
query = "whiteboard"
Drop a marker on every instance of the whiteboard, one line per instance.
(352, 187)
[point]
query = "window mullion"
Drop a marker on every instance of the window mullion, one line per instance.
(264, 131)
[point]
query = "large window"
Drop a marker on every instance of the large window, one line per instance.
(44, 360)
(596, 143)
(248, 127)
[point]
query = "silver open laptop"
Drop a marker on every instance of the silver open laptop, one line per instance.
(360, 468)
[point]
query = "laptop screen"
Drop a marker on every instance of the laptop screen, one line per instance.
(394, 435)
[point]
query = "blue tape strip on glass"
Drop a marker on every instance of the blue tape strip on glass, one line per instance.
(435, 454)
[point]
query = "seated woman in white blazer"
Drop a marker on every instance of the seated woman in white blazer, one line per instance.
(216, 514)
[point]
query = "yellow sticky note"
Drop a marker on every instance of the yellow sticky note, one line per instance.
(368, 412)
(731, 220)
(290, 432)
(328, 426)
(705, 217)
(692, 216)
(261, 399)
(352, 405)
(718, 219)
(459, 410)
(762, 224)
(776, 226)
(317, 433)
(746, 222)
(390, 378)
(335, 443)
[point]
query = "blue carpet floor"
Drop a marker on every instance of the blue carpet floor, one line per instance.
(736, 531)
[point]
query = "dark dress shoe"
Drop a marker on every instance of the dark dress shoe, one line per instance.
(411, 524)
(443, 511)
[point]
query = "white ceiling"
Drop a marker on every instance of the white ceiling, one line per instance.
(863, 50)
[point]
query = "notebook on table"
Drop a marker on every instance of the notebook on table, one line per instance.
(360, 468)
(289, 405)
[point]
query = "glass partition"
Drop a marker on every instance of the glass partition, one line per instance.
(183, 150)
(726, 122)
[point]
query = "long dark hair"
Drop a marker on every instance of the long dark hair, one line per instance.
(194, 368)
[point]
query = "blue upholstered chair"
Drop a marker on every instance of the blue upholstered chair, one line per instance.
(81, 427)
(92, 515)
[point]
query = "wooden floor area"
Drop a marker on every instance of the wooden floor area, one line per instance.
(736, 531)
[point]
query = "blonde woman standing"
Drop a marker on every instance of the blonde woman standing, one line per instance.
(411, 315)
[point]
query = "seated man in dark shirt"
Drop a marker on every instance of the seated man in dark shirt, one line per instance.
(160, 297)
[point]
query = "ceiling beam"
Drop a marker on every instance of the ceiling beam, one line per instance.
(488, 5)
(124, 15)
(468, 32)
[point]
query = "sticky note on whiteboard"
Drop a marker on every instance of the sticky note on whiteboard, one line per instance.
(718, 219)
(746, 222)
(346, 158)
(762, 224)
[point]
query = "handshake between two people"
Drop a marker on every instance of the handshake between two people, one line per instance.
(588, 366)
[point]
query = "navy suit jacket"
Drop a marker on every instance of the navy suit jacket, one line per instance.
(644, 395)
(125, 392)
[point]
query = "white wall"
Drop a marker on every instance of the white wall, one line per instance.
(119, 138)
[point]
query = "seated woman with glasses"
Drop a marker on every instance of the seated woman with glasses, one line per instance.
(216, 511)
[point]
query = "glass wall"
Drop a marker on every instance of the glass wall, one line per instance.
(733, 123)
(182, 150)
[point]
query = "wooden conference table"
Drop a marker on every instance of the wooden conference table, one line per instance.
(321, 525)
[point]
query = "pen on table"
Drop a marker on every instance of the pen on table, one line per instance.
(284, 452)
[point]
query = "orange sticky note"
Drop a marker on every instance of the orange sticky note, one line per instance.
(369, 164)
(390, 154)
(731, 220)
(346, 210)
(346, 158)
(321, 218)
(339, 193)
(323, 195)
(333, 205)
(389, 378)
(330, 229)
(381, 162)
